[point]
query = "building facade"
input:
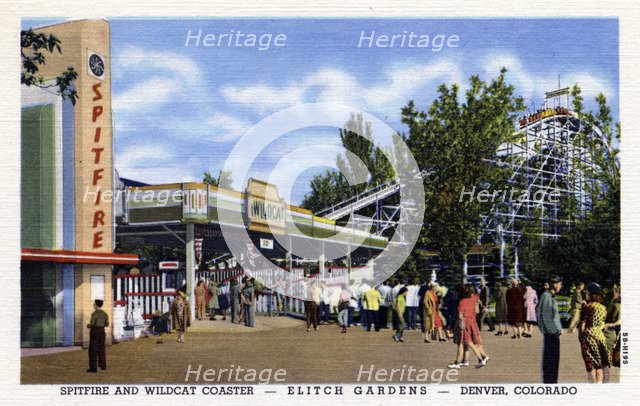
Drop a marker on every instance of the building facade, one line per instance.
(67, 227)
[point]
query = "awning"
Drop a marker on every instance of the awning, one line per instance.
(78, 257)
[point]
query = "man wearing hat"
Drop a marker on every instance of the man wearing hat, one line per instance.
(234, 295)
(549, 323)
(485, 298)
(99, 320)
(577, 300)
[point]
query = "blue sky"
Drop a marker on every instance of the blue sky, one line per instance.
(178, 110)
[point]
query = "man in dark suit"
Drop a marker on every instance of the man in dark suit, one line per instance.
(99, 320)
(484, 314)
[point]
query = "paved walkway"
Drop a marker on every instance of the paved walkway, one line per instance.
(30, 352)
(262, 324)
(325, 356)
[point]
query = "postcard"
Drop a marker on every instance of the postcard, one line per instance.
(290, 209)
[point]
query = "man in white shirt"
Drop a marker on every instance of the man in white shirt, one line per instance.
(324, 311)
(412, 304)
(353, 302)
(385, 293)
(363, 314)
(311, 304)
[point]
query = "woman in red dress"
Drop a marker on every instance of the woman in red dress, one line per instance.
(469, 333)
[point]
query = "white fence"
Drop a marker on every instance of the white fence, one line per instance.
(137, 297)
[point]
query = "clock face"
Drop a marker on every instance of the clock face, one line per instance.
(96, 64)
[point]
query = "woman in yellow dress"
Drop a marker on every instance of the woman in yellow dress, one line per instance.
(595, 352)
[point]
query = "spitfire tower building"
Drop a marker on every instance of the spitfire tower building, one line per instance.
(67, 191)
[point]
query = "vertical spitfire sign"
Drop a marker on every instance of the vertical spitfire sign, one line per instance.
(86, 47)
(265, 209)
(96, 69)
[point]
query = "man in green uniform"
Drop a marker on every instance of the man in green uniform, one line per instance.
(577, 300)
(99, 320)
(234, 293)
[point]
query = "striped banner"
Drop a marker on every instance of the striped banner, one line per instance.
(198, 248)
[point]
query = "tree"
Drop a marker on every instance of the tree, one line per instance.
(327, 189)
(332, 187)
(224, 179)
(456, 142)
(602, 149)
(589, 250)
(356, 137)
(32, 47)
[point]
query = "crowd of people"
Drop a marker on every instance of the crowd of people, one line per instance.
(453, 315)
(234, 298)
(412, 306)
(596, 315)
(515, 304)
(458, 315)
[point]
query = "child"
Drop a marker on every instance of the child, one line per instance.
(158, 326)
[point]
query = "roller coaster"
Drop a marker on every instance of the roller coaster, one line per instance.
(547, 156)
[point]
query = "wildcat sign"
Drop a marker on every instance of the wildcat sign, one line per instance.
(265, 209)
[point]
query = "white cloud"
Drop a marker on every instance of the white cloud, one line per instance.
(532, 85)
(146, 95)
(263, 97)
(334, 85)
(211, 127)
(405, 81)
(180, 66)
(304, 138)
(225, 127)
(168, 85)
(154, 164)
(157, 77)
(138, 156)
(590, 84)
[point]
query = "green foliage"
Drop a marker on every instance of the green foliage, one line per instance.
(224, 179)
(357, 138)
(153, 254)
(332, 187)
(456, 142)
(590, 250)
(32, 47)
(411, 268)
(327, 189)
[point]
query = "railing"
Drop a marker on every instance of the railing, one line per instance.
(138, 297)
(344, 206)
(364, 198)
(218, 275)
(145, 292)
